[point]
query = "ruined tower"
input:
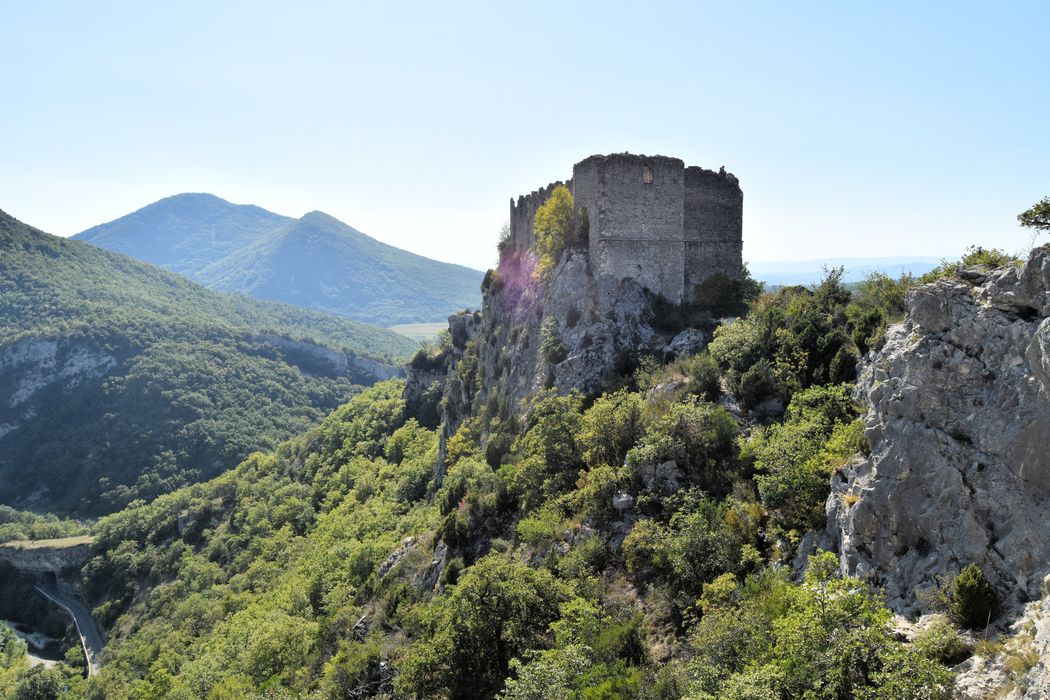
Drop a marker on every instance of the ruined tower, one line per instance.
(649, 218)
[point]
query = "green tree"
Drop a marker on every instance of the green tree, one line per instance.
(972, 601)
(611, 427)
(1037, 216)
(499, 610)
(39, 683)
(553, 227)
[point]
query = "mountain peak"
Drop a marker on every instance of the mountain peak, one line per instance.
(316, 261)
(319, 217)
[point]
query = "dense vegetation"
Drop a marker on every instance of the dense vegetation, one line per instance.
(316, 262)
(54, 285)
(24, 525)
(122, 381)
(628, 545)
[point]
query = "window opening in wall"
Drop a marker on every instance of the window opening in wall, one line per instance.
(647, 175)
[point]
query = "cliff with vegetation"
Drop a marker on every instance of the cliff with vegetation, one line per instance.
(604, 503)
(958, 419)
(120, 381)
(587, 492)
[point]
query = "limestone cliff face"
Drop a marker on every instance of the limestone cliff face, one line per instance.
(571, 332)
(958, 420)
(308, 355)
(44, 556)
(31, 365)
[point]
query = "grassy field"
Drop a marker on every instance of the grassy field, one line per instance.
(420, 331)
(51, 544)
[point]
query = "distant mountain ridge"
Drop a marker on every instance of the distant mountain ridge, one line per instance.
(790, 272)
(317, 261)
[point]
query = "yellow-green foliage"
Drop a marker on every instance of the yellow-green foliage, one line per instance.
(269, 582)
(974, 255)
(553, 227)
(829, 638)
(613, 549)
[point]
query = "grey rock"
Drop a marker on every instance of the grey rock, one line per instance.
(980, 678)
(498, 355)
(623, 501)
(958, 420)
(395, 557)
(663, 478)
(689, 342)
(427, 580)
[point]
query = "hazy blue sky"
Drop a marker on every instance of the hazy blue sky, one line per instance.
(856, 129)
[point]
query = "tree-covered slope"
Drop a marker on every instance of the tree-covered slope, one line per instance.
(119, 380)
(316, 261)
(185, 233)
(632, 544)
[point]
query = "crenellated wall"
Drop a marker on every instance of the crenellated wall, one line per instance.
(523, 214)
(714, 208)
(649, 219)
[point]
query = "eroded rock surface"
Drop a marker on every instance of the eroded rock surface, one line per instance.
(573, 331)
(958, 420)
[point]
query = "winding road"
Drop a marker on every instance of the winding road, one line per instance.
(90, 637)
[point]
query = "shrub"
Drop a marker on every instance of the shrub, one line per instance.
(699, 437)
(796, 458)
(542, 525)
(611, 427)
(727, 296)
(704, 378)
(552, 347)
(594, 492)
(757, 384)
(974, 255)
(942, 642)
(972, 603)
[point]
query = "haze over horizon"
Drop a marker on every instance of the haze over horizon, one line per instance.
(855, 131)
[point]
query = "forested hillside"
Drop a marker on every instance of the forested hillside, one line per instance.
(122, 381)
(317, 261)
(631, 544)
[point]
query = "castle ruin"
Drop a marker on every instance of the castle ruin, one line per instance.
(648, 218)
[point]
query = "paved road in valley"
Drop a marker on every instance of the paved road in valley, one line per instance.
(90, 636)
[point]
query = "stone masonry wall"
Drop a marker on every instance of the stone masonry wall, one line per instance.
(635, 208)
(714, 206)
(649, 219)
(523, 214)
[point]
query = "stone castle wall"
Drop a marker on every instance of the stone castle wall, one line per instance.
(635, 213)
(523, 214)
(714, 207)
(649, 218)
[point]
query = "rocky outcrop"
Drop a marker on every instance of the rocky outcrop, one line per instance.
(32, 365)
(35, 363)
(312, 358)
(571, 331)
(1020, 670)
(958, 421)
(46, 556)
